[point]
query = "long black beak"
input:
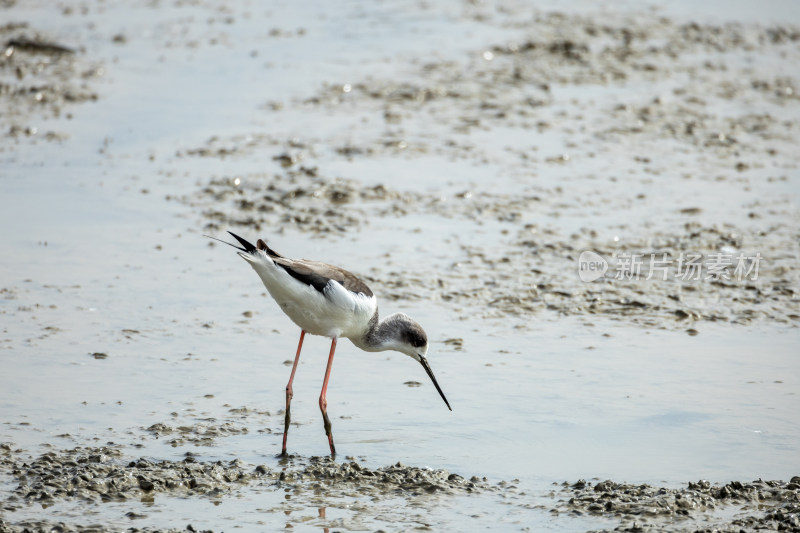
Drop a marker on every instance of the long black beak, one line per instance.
(427, 368)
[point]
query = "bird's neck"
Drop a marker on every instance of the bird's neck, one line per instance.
(379, 336)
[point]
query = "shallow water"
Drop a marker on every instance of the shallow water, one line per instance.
(103, 254)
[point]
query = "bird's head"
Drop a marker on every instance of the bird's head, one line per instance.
(409, 338)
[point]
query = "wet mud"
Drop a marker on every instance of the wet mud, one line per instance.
(40, 77)
(680, 114)
(761, 505)
(104, 474)
(699, 117)
(198, 435)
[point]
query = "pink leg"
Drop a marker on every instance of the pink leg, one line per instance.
(323, 403)
(289, 393)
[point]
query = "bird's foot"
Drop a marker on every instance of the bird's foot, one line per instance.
(333, 448)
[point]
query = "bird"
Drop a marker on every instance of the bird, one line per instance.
(326, 300)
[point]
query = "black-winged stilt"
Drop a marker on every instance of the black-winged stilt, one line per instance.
(327, 300)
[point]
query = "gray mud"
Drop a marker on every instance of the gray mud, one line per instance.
(617, 133)
(41, 78)
(104, 474)
(697, 112)
(761, 505)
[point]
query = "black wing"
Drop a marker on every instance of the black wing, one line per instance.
(319, 274)
(313, 273)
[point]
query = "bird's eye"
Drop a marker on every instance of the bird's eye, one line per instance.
(414, 340)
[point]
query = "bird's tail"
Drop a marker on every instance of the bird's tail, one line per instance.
(247, 247)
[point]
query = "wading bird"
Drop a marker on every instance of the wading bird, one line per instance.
(329, 301)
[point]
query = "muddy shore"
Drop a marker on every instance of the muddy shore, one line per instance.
(105, 474)
(626, 134)
(691, 102)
